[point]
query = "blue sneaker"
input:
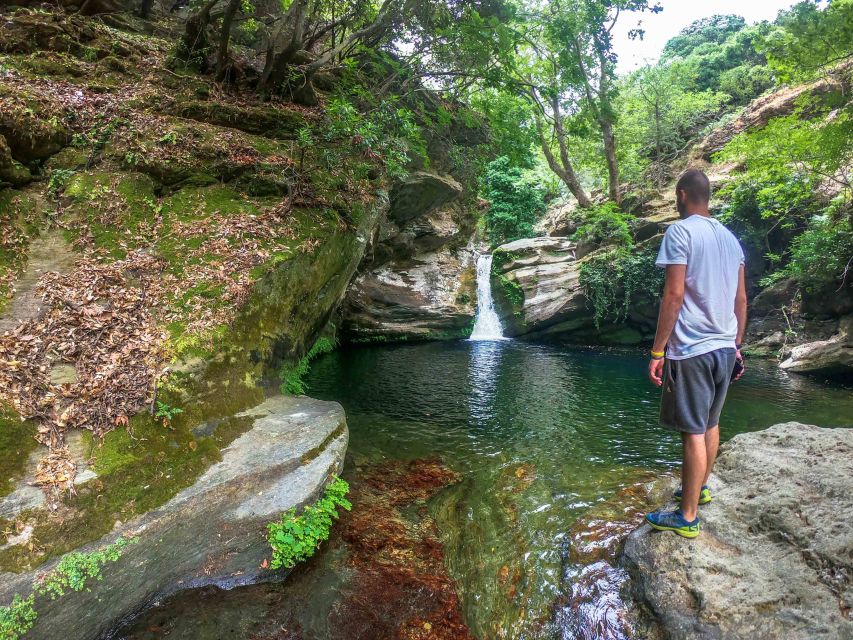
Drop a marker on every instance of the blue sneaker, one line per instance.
(673, 521)
(704, 494)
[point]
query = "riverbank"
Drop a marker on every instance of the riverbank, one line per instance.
(549, 450)
(775, 555)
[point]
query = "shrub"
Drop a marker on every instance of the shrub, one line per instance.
(295, 538)
(605, 224)
(823, 255)
(612, 280)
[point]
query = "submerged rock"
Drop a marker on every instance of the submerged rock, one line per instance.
(775, 556)
(213, 532)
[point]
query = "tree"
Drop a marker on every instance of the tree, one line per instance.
(808, 41)
(514, 204)
(715, 29)
(661, 113)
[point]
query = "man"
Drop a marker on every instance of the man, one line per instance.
(700, 327)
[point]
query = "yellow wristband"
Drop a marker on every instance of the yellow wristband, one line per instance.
(657, 354)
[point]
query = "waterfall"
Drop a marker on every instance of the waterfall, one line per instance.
(487, 325)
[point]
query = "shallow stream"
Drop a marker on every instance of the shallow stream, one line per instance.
(540, 435)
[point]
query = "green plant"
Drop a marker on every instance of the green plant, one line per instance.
(166, 413)
(58, 179)
(17, 618)
(822, 256)
(73, 572)
(77, 568)
(295, 538)
(168, 138)
(615, 279)
(605, 224)
(291, 376)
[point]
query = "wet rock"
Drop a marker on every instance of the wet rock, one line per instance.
(420, 193)
(832, 356)
(775, 556)
(213, 532)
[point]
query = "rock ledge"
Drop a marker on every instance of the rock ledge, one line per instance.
(775, 559)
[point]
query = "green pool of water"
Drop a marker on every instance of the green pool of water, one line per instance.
(540, 435)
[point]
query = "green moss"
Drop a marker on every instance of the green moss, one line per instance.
(139, 469)
(17, 442)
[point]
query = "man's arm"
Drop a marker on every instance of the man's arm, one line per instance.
(670, 306)
(740, 314)
(740, 305)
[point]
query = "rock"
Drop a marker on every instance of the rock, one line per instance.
(761, 110)
(559, 220)
(775, 556)
(269, 120)
(11, 171)
(832, 356)
(213, 532)
(431, 296)
(421, 193)
(535, 283)
(779, 294)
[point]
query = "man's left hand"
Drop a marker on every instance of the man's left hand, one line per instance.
(656, 371)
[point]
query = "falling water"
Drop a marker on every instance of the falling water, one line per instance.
(487, 325)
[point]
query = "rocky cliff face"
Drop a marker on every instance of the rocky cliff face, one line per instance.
(418, 280)
(538, 292)
(775, 556)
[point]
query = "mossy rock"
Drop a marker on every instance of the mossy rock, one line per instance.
(176, 151)
(268, 120)
(31, 124)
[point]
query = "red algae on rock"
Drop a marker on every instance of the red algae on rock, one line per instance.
(400, 587)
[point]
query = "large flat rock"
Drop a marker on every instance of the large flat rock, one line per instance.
(775, 557)
(213, 532)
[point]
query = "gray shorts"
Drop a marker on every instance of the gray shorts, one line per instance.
(694, 390)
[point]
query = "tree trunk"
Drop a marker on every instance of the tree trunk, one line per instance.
(612, 161)
(566, 172)
(225, 38)
(145, 9)
(194, 45)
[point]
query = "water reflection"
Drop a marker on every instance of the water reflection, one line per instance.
(483, 374)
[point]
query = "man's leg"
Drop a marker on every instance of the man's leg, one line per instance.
(693, 468)
(712, 444)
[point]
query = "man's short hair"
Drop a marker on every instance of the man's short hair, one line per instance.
(696, 185)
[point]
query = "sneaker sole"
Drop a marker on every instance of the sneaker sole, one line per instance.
(701, 500)
(681, 532)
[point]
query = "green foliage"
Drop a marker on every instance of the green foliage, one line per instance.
(716, 45)
(17, 618)
(291, 376)
(295, 538)
(58, 179)
(822, 257)
(604, 224)
(76, 569)
(615, 279)
(715, 29)
(389, 133)
(514, 203)
(73, 573)
(166, 413)
(808, 40)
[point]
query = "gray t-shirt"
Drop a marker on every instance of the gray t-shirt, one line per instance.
(713, 257)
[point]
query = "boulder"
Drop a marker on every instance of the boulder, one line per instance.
(431, 296)
(775, 555)
(213, 532)
(421, 193)
(536, 285)
(832, 356)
